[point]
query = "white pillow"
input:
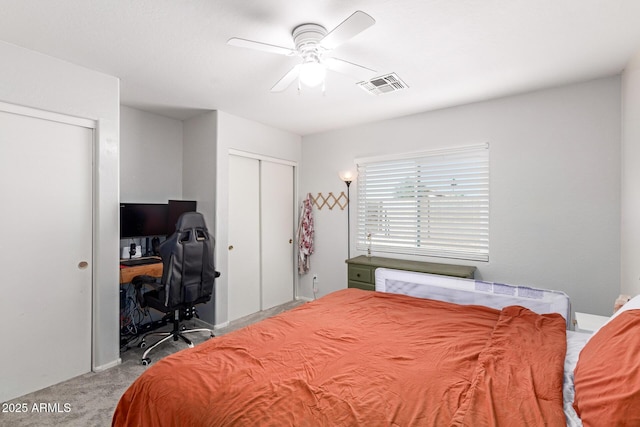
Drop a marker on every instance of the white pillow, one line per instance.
(632, 304)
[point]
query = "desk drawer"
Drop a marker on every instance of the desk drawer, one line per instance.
(362, 285)
(361, 274)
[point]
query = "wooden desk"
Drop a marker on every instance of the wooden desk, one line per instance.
(128, 273)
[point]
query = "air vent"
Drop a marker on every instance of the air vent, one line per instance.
(383, 84)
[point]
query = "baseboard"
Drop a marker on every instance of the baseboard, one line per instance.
(227, 323)
(202, 324)
(109, 365)
(221, 325)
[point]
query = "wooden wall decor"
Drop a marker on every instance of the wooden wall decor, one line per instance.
(330, 200)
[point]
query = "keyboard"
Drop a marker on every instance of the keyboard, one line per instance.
(140, 261)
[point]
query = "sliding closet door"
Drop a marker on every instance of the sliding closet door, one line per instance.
(46, 251)
(244, 236)
(277, 233)
(261, 234)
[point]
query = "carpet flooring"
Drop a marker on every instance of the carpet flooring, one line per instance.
(90, 399)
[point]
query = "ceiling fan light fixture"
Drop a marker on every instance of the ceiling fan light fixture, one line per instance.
(312, 42)
(312, 73)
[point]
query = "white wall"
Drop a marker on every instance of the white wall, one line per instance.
(39, 81)
(150, 157)
(199, 183)
(630, 249)
(207, 141)
(555, 187)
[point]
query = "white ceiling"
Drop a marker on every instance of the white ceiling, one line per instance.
(172, 58)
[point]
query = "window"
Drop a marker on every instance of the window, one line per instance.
(433, 203)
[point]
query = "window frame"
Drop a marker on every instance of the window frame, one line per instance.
(432, 203)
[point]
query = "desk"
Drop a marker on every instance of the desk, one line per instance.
(128, 273)
(131, 314)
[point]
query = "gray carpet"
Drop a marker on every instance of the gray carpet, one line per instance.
(90, 399)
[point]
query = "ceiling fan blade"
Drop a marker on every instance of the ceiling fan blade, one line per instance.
(265, 47)
(286, 81)
(349, 68)
(353, 25)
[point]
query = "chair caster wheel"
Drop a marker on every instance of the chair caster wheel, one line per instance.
(183, 328)
(142, 344)
(146, 361)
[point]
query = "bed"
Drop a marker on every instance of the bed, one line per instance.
(382, 358)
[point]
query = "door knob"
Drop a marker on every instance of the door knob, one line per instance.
(290, 241)
(230, 247)
(82, 265)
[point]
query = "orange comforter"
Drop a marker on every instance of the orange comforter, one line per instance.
(358, 358)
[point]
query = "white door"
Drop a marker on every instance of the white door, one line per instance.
(244, 237)
(277, 221)
(261, 227)
(46, 251)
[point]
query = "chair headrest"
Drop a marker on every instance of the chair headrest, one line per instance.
(189, 220)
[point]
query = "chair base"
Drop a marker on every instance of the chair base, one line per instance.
(174, 335)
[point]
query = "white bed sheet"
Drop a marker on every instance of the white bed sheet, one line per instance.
(575, 342)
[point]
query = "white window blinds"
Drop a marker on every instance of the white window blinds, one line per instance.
(433, 203)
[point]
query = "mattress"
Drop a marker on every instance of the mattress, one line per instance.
(357, 357)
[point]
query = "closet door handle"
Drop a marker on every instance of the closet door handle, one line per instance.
(230, 247)
(290, 241)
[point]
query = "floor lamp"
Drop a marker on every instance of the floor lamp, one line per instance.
(348, 178)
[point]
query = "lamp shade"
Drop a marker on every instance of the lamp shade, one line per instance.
(347, 176)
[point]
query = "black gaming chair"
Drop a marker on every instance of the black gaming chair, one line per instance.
(188, 278)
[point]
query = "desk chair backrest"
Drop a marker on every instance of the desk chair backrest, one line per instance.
(188, 272)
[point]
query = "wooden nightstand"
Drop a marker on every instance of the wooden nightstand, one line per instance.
(361, 270)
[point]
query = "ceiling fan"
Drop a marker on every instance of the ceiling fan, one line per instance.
(312, 44)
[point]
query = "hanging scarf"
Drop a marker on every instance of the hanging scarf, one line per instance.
(305, 236)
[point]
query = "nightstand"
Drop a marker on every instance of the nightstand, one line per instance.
(586, 322)
(362, 270)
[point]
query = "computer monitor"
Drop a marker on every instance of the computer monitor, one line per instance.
(177, 208)
(143, 220)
